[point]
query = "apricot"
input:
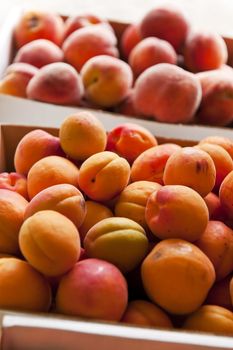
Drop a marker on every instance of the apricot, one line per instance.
(129, 39)
(34, 146)
(14, 182)
(217, 243)
(12, 208)
(212, 319)
(225, 194)
(98, 171)
(118, 240)
(216, 210)
(39, 52)
(167, 93)
(151, 51)
(204, 51)
(145, 313)
(82, 135)
(222, 141)
(219, 294)
(49, 171)
(38, 25)
(150, 164)
(50, 242)
(88, 42)
(95, 212)
(167, 23)
(93, 288)
(216, 107)
(132, 201)
(176, 211)
(64, 198)
(138, 137)
(16, 79)
(222, 161)
(57, 83)
(107, 80)
(22, 287)
(177, 276)
(76, 22)
(191, 167)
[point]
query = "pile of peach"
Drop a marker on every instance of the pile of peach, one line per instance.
(113, 226)
(160, 68)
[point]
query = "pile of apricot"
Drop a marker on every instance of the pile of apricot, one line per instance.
(159, 68)
(113, 226)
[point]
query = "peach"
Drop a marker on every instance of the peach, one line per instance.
(82, 135)
(126, 106)
(150, 164)
(12, 208)
(80, 21)
(14, 182)
(38, 25)
(16, 79)
(129, 39)
(167, 23)
(216, 210)
(107, 80)
(151, 51)
(138, 137)
(98, 171)
(95, 212)
(64, 198)
(204, 51)
(88, 42)
(34, 146)
(219, 294)
(57, 83)
(217, 243)
(95, 289)
(212, 319)
(177, 276)
(110, 237)
(225, 194)
(216, 107)
(191, 167)
(176, 211)
(222, 141)
(222, 161)
(144, 313)
(50, 242)
(132, 201)
(39, 52)
(22, 287)
(167, 93)
(49, 171)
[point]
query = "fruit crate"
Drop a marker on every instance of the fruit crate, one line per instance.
(37, 331)
(7, 46)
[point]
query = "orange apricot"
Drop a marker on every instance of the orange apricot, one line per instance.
(103, 176)
(177, 276)
(176, 211)
(191, 167)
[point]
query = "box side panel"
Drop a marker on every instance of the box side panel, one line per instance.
(24, 338)
(2, 151)
(6, 43)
